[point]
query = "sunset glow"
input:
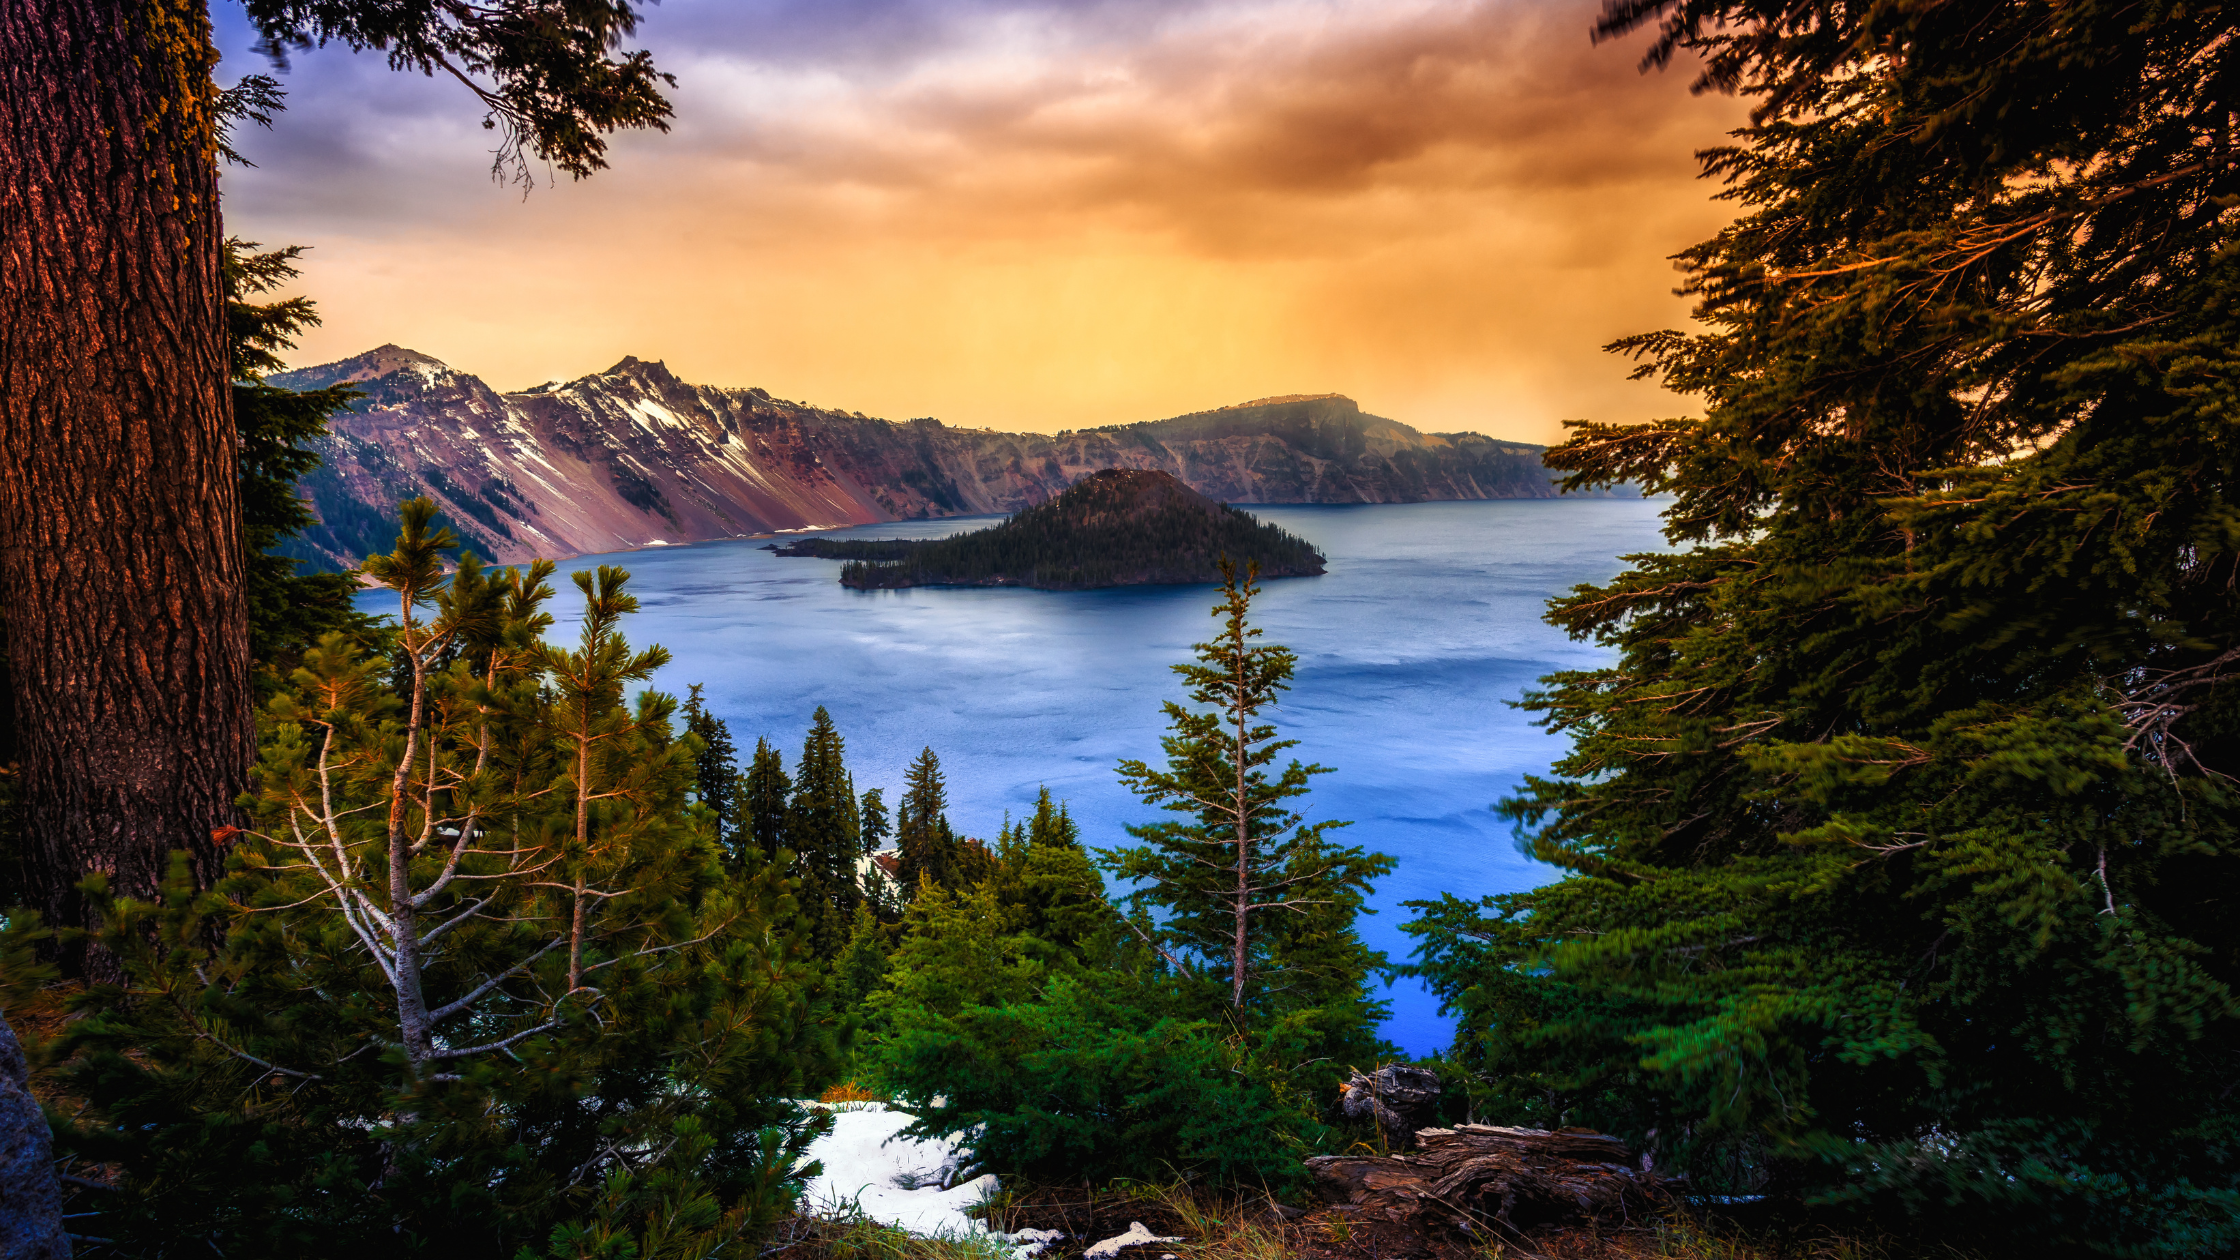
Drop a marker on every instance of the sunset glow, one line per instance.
(1035, 216)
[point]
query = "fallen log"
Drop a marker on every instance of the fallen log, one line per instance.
(1477, 1177)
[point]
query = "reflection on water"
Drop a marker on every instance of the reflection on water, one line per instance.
(1410, 647)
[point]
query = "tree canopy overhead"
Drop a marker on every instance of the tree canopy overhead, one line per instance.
(1902, 834)
(548, 71)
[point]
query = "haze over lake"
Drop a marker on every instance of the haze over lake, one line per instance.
(1426, 625)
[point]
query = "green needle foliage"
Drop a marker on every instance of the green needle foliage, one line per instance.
(763, 802)
(930, 851)
(1256, 904)
(1204, 1030)
(479, 981)
(825, 834)
(1900, 837)
(716, 779)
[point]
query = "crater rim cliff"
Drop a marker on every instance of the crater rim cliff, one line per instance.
(634, 456)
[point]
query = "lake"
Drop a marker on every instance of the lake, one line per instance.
(1410, 649)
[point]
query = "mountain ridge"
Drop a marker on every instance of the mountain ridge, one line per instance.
(634, 456)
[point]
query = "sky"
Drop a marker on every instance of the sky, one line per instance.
(1033, 214)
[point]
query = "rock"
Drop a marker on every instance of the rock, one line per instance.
(30, 1197)
(1476, 1176)
(618, 457)
(1401, 1099)
(1136, 1236)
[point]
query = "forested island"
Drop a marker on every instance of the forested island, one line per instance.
(1119, 527)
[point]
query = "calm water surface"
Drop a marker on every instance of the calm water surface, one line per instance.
(1410, 648)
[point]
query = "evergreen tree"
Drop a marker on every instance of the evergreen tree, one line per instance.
(930, 850)
(826, 837)
(716, 778)
(1051, 824)
(873, 813)
(1900, 832)
(127, 633)
(1051, 1037)
(882, 891)
(288, 611)
(762, 800)
(1223, 881)
(477, 972)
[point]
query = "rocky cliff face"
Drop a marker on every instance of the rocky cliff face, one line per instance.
(632, 456)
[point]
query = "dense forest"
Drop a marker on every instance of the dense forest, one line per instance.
(1118, 527)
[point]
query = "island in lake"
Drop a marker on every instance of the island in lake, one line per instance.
(1119, 527)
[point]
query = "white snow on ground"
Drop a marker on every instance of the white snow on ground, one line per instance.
(1136, 1236)
(652, 416)
(1028, 1243)
(892, 1179)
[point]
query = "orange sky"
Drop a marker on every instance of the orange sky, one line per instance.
(1036, 215)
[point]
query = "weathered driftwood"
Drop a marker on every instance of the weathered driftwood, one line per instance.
(1479, 1176)
(1401, 1099)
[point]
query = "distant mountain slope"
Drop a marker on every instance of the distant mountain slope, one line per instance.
(1118, 527)
(633, 456)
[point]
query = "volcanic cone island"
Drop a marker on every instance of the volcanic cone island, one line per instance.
(1119, 527)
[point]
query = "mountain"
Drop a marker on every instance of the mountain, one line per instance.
(1118, 527)
(633, 457)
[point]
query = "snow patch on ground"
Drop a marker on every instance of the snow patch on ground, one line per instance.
(1136, 1236)
(869, 1166)
(1028, 1243)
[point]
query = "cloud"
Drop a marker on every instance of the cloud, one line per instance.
(1041, 215)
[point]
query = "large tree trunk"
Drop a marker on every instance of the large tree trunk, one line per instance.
(120, 541)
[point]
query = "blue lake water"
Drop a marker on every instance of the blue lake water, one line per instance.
(1410, 648)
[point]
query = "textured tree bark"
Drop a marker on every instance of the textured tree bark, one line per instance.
(120, 546)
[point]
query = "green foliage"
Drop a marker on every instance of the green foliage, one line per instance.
(716, 780)
(288, 611)
(1050, 824)
(546, 70)
(825, 835)
(1053, 1041)
(1901, 832)
(1256, 906)
(1109, 529)
(763, 800)
(478, 980)
(930, 850)
(1072, 1040)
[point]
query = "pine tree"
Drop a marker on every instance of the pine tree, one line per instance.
(826, 836)
(127, 631)
(1898, 834)
(882, 891)
(1051, 824)
(477, 937)
(288, 611)
(930, 850)
(1244, 858)
(876, 828)
(762, 799)
(716, 778)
